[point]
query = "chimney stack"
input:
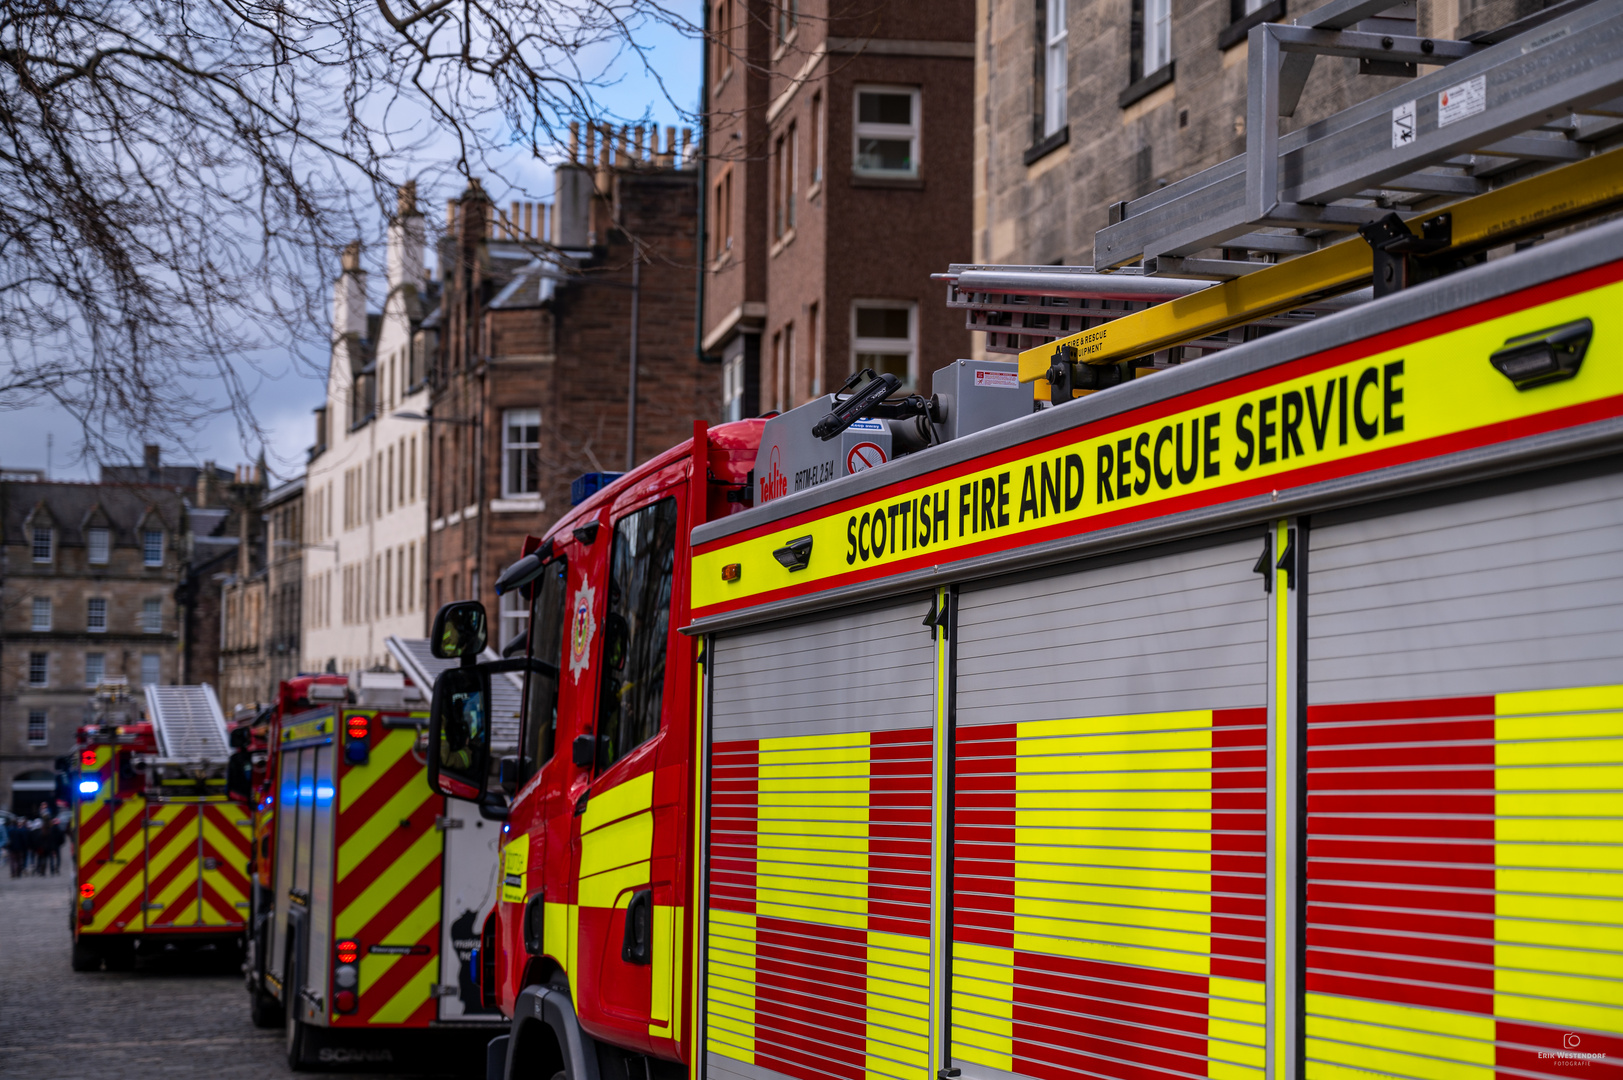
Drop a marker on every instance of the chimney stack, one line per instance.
(349, 294)
(406, 239)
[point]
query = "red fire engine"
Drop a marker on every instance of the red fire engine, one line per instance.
(159, 848)
(589, 946)
(368, 889)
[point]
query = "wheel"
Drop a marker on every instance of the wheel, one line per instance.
(86, 955)
(296, 1038)
(264, 1010)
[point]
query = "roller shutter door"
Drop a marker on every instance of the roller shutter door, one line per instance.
(1109, 821)
(819, 948)
(1465, 787)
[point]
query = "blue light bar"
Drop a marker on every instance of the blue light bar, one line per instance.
(89, 786)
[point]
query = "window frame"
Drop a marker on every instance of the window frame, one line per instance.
(95, 609)
(556, 569)
(148, 607)
(101, 664)
(43, 718)
(146, 547)
(817, 122)
(39, 662)
(913, 131)
(105, 537)
(157, 663)
(1148, 21)
(47, 534)
(605, 761)
(1055, 59)
(35, 624)
(509, 447)
(877, 345)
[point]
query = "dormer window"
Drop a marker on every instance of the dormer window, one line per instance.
(44, 543)
(152, 547)
(97, 540)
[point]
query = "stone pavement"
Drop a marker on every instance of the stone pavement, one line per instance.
(178, 1020)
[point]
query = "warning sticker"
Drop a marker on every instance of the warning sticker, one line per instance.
(864, 455)
(1003, 380)
(1403, 125)
(1459, 102)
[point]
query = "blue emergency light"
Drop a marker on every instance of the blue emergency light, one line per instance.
(89, 786)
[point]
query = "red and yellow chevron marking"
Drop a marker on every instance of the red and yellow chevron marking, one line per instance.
(173, 865)
(112, 857)
(227, 831)
(387, 896)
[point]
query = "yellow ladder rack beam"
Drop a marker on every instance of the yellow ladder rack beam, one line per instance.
(1516, 210)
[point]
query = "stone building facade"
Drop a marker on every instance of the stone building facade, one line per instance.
(532, 383)
(365, 484)
(91, 573)
(1079, 104)
(838, 149)
(260, 603)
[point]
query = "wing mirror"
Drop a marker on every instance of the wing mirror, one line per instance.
(459, 730)
(459, 631)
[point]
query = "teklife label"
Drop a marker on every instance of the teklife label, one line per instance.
(1331, 414)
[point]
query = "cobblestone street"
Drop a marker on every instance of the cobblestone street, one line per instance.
(172, 1019)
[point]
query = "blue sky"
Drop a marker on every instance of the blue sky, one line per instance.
(290, 389)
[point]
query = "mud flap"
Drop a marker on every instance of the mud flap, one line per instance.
(496, 1057)
(552, 1007)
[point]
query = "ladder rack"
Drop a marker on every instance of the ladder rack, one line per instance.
(1515, 134)
(188, 723)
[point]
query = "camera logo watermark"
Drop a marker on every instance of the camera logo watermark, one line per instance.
(1571, 1052)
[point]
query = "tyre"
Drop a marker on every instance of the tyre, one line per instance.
(86, 955)
(296, 1038)
(264, 1010)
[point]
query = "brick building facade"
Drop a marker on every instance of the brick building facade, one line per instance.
(837, 142)
(91, 573)
(1080, 104)
(535, 356)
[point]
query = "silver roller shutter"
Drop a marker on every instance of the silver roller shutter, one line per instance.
(1465, 783)
(1109, 820)
(819, 953)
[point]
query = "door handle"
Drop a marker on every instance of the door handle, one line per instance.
(638, 946)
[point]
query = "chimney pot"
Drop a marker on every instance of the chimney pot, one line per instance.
(574, 140)
(406, 199)
(351, 257)
(512, 223)
(149, 454)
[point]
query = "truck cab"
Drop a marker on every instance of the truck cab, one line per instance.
(589, 947)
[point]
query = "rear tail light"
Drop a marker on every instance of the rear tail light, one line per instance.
(346, 976)
(87, 758)
(357, 734)
(87, 890)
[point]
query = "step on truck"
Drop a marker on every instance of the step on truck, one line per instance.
(159, 849)
(370, 887)
(1248, 707)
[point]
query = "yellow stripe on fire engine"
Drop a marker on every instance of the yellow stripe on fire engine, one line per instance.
(410, 997)
(125, 820)
(811, 856)
(616, 843)
(175, 855)
(219, 821)
(1558, 901)
(730, 1001)
(406, 800)
(1385, 402)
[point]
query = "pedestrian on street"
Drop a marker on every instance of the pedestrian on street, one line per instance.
(51, 845)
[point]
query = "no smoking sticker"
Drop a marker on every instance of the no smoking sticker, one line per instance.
(864, 455)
